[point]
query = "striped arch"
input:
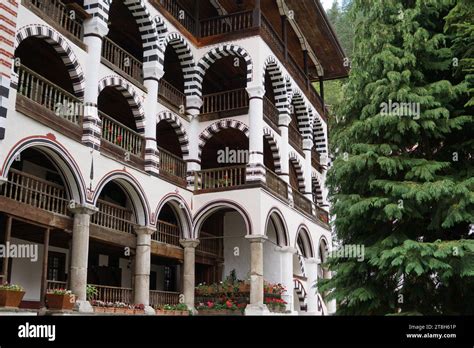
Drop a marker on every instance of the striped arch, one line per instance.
(216, 127)
(161, 30)
(130, 95)
(178, 127)
(294, 159)
(181, 210)
(278, 82)
(319, 135)
(132, 188)
(185, 56)
(211, 57)
(139, 11)
(301, 111)
(275, 216)
(304, 243)
(289, 89)
(269, 135)
(317, 190)
(60, 45)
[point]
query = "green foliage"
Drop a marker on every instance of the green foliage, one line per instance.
(402, 184)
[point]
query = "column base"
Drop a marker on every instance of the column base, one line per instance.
(149, 310)
(256, 309)
(83, 307)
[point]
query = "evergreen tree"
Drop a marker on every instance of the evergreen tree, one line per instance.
(402, 183)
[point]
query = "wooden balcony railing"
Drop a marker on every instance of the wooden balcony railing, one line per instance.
(271, 36)
(229, 23)
(180, 13)
(39, 193)
(271, 111)
(113, 294)
(122, 59)
(160, 298)
(44, 92)
(116, 133)
(276, 185)
(225, 101)
(295, 137)
(54, 284)
(322, 215)
(210, 244)
(60, 14)
(227, 177)
(114, 217)
(172, 96)
(301, 202)
(166, 233)
(172, 165)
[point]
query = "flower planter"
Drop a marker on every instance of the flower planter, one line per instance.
(60, 302)
(130, 311)
(172, 312)
(120, 310)
(213, 312)
(139, 311)
(9, 298)
(244, 287)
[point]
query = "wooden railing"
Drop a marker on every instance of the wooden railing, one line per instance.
(59, 13)
(315, 158)
(301, 202)
(172, 165)
(322, 215)
(178, 12)
(122, 59)
(271, 111)
(54, 285)
(113, 216)
(272, 37)
(113, 294)
(210, 244)
(160, 298)
(39, 193)
(276, 185)
(44, 92)
(227, 177)
(225, 101)
(116, 133)
(229, 23)
(172, 96)
(166, 233)
(295, 137)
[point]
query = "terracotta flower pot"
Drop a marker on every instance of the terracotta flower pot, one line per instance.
(10, 298)
(60, 302)
(120, 310)
(244, 287)
(129, 311)
(139, 311)
(100, 309)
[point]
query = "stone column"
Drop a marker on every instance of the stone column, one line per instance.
(94, 31)
(255, 170)
(286, 257)
(283, 124)
(307, 146)
(152, 73)
(142, 268)
(79, 255)
(193, 108)
(189, 281)
(256, 305)
(311, 266)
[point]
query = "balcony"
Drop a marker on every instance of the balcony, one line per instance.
(172, 97)
(121, 137)
(302, 203)
(121, 61)
(276, 185)
(271, 114)
(210, 245)
(295, 138)
(316, 160)
(172, 167)
(220, 178)
(114, 217)
(225, 104)
(166, 233)
(229, 23)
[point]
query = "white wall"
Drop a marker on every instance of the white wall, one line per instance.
(271, 258)
(234, 232)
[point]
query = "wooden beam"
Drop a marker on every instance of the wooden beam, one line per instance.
(8, 233)
(284, 32)
(321, 90)
(257, 14)
(306, 67)
(44, 273)
(197, 23)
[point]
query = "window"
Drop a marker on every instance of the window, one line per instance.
(56, 266)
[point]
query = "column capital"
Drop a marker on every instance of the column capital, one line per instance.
(286, 249)
(312, 261)
(95, 27)
(189, 243)
(256, 91)
(193, 102)
(3, 180)
(77, 208)
(284, 120)
(307, 144)
(153, 70)
(144, 230)
(256, 238)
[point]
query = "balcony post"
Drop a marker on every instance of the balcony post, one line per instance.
(142, 267)
(95, 30)
(193, 108)
(80, 254)
(307, 146)
(306, 68)
(284, 29)
(283, 124)
(311, 266)
(189, 281)
(257, 18)
(6, 260)
(286, 257)
(255, 171)
(152, 73)
(256, 305)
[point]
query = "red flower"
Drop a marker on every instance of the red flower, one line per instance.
(210, 304)
(228, 304)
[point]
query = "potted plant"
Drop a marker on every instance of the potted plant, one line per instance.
(244, 286)
(11, 295)
(91, 292)
(181, 309)
(139, 309)
(120, 308)
(60, 299)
